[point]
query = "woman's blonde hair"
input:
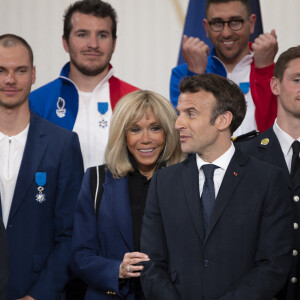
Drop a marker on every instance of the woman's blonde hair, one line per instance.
(128, 111)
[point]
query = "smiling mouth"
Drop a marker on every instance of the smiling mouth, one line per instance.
(146, 150)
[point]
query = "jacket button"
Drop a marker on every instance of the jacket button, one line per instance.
(296, 198)
(206, 263)
(296, 225)
(294, 280)
(295, 252)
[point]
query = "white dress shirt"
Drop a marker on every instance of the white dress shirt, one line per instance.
(11, 149)
(222, 162)
(285, 141)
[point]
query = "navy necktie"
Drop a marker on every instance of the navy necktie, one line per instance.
(295, 159)
(208, 193)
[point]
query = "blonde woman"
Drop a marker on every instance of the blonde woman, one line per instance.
(106, 243)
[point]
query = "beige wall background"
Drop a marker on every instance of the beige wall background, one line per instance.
(149, 33)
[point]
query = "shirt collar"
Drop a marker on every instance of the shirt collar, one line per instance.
(21, 137)
(285, 140)
(222, 161)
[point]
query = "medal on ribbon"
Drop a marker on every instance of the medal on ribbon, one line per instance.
(61, 111)
(40, 179)
(103, 108)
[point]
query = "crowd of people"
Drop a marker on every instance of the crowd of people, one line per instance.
(113, 192)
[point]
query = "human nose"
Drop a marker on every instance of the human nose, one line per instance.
(146, 137)
(93, 42)
(10, 78)
(179, 124)
(226, 30)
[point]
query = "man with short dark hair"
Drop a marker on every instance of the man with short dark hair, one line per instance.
(228, 25)
(83, 97)
(280, 145)
(218, 225)
(40, 176)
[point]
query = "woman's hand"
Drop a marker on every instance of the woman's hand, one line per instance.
(128, 268)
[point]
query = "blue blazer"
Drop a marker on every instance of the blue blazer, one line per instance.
(99, 245)
(39, 234)
(271, 152)
(245, 253)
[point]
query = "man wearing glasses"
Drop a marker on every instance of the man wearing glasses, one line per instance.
(229, 24)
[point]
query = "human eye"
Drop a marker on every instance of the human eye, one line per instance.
(81, 34)
(134, 129)
(236, 21)
(103, 35)
(155, 128)
(22, 70)
(217, 22)
(191, 114)
(296, 80)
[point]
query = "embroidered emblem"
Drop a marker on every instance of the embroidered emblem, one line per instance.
(264, 142)
(61, 111)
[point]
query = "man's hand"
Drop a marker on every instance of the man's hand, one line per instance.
(265, 48)
(194, 52)
(26, 298)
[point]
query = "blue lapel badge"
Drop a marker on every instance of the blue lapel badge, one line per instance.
(103, 108)
(61, 111)
(40, 179)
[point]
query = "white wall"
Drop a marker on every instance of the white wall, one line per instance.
(149, 33)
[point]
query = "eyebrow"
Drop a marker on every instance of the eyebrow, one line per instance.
(294, 75)
(232, 17)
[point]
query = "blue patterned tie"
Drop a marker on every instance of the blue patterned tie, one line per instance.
(208, 193)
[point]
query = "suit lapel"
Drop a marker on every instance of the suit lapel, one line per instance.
(33, 153)
(117, 193)
(232, 177)
(190, 176)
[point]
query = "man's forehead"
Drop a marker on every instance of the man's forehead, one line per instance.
(226, 10)
(81, 19)
(292, 68)
(17, 54)
(189, 100)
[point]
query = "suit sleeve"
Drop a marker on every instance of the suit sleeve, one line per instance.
(97, 271)
(54, 274)
(265, 101)
(155, 279)
(3, 261)
(274, 246)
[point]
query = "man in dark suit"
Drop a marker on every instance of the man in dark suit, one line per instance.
(218, 225)
(40, 175)
(3, 261)
(279, 145)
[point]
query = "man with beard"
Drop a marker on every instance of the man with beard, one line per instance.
(228, 25)
(83, 97)
(280, 145)
(40, 176)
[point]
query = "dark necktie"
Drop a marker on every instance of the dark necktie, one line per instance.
(208, 193)
(295, 159)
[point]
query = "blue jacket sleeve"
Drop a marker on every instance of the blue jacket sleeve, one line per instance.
(178, 73)
(97, 271)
